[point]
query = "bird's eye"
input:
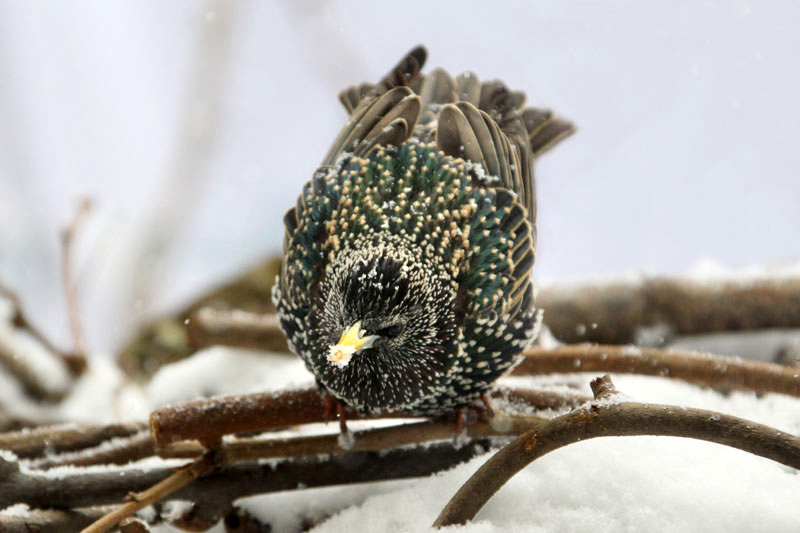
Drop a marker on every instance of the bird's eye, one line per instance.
(390, 331)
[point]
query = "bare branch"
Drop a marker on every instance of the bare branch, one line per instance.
(26, 443)
(77, 360)
(605, 418)
(613, 314)
(208, 327)
(694, 367)
(209, 419)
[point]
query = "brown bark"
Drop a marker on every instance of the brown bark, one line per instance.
(27, 443)
(208, 420)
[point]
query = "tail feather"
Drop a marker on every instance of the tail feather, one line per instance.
(405, 73)
(484, 122)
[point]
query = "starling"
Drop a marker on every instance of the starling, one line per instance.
(405, 284)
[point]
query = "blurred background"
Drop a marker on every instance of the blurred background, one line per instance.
(192, 126)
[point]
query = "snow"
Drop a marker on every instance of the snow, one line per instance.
(609, 484)
(217, 371)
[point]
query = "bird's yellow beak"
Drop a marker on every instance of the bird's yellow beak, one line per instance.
(352, 341)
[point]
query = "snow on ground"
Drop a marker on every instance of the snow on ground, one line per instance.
(611, 484)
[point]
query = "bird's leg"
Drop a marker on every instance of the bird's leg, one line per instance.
(332, 403)
(462, 413)
(342, 417)
(461, 420)
(487, 405)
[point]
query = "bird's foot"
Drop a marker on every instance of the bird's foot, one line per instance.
(331, 405)
(470, 414)
(487, 405)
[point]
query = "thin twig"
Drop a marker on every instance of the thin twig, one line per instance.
(77, 360)
(173, 483)
(695, 367)
(606, 418)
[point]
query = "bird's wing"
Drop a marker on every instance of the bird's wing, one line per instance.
(487, 124)
(385, 119)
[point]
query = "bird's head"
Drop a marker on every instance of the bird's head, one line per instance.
(385, 326)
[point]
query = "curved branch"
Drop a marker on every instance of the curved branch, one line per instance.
(606, 418)
(694, 367)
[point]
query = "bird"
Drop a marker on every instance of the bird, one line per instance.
(405, 283)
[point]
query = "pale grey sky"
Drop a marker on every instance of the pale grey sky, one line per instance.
(687, 112)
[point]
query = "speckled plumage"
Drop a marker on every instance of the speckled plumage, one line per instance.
(420, 223)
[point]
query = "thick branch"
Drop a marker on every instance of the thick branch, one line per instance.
(694, 367)
(209, 419)
(614, 314)
(604, 418)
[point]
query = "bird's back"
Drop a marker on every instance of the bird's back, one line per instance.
(439, 170)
